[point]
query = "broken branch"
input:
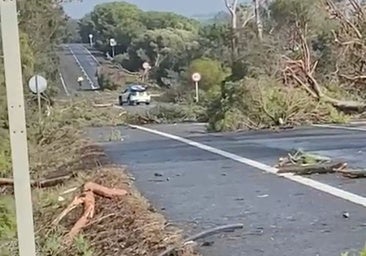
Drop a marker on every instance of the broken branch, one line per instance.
(39, 183)
(87, 199)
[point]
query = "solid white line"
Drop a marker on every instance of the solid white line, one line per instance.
(64, 85)
(340, 127)
(93, 57)
(82, 69)
(299, 179)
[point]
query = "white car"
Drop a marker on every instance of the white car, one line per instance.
(134, 94)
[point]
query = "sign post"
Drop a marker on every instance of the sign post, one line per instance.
(38, 84)
(17, 127)
(196, 77)
(146, 66)
(91, 40)
(113, 44)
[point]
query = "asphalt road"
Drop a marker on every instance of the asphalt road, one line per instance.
(199, 186)
(87, 63)
(197, 189)
(75, 61)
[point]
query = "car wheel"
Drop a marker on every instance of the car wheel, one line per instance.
(131, 103)
(147, 103)
(137, 103)
(120, 101)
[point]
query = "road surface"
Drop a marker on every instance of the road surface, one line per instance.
(75, 61)
(199, 181)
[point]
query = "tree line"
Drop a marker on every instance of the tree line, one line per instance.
(258, 60)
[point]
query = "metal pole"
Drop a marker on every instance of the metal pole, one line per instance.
(113, 52)
(39, 102)
(17, 127)
(196, 83)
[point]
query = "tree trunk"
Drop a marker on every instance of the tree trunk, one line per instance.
(234, 20)
(258, 20)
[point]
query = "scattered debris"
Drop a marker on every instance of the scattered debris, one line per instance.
(87, 198)
(225, 228)
(263, 196)
(43, 183)
(345, 215)
(207, 243)
(302, 163)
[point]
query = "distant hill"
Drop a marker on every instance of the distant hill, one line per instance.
(218, 17)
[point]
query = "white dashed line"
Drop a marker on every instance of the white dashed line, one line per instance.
(299, 179)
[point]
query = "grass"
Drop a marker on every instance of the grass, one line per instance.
(130, 226)
(361, 253)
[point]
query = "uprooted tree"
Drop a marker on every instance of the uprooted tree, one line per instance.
(301, 71)
(313, 46)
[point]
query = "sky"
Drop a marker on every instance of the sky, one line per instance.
(185, 7)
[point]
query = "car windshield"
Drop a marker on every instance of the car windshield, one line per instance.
(137, 88)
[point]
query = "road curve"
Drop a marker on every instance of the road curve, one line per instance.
(197, 189)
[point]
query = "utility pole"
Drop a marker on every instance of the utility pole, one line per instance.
(17, 127)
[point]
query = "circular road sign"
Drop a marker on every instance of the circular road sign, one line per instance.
(196, 77)
(37, 81)
(90, 36)
(146, 65)
(112, 42)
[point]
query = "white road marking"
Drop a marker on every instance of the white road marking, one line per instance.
(64, 85)
(339, 127)
(82, 69)
(340, 193)
(93, 57)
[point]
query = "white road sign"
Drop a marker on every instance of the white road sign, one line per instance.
(112, 42)
(37, 82)
(196, 77)
(146, 65)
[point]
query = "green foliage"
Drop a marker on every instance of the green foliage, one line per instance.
(361, 253)
(211, 71)
(119, 20)
(166, 40)
(7, 218)
(263, 103)
(157, 20)
(72, 32)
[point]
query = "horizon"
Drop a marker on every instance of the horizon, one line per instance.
(77, 10)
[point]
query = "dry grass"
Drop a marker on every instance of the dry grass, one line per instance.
(125, 226)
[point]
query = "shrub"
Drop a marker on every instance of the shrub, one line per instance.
(263, 103)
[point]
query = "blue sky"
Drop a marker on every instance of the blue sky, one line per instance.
(185, 7)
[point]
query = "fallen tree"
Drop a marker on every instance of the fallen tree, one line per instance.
(302, 163)
(300, 72)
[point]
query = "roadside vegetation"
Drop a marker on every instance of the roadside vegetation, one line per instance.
(66, 168)
(279, 64)
(273, 64)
